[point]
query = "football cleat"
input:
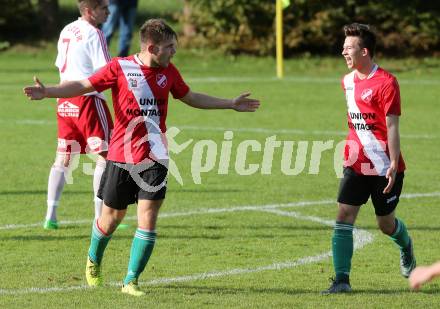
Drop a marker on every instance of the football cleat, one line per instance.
(93, 273)
(407, 260)
(132, 288)
(50, 225)
(337, 287)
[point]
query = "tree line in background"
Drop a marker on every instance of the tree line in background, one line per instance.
(21, 20)
(404, 27)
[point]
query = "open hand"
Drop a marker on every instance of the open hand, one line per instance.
(244, 104)
(391, 176)
(419, 276)
(36, 92)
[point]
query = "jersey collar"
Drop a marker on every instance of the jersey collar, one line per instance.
(373, 71)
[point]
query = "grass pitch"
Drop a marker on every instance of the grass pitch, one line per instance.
(219, 243)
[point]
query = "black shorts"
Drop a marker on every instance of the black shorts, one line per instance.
(121, 185)
(355, 189)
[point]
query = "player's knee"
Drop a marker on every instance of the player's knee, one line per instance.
(387, 229)
(108, 224)
(346, 214)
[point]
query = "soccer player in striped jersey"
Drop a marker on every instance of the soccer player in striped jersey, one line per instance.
(84, 122)
(373, 165)
(137, 161)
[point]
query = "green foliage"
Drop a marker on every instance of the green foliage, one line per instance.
(232, 25)
(17, 20)
(404, 27)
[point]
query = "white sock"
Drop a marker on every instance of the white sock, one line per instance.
(97, 175)
(54, 189)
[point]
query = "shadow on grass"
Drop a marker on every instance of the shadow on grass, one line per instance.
(410, 228)
(236, 291)
(294, 291)
(263, 227)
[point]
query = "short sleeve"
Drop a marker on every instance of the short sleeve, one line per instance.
(97, 50)
(179, 88)
(106, 77)
(391, 97)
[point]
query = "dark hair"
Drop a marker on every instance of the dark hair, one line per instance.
(91, 4)
(156, 31)
(364, 33)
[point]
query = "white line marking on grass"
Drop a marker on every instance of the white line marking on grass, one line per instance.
(361, 238)
(43, 290)
(415, 195)
(241, 271)
(180, 214)
(41, 122)
(222, 129)
(215, 210)
(201, 276)
(246, 208)
(297, 79)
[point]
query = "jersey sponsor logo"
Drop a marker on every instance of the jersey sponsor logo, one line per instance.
(367, 95)
(67, 109)
(151, 101)
(143, 112)
(134, 74)
(146, 101)
(362, 126)
(132, 82)
(161, 80)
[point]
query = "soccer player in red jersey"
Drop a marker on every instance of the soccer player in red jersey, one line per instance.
(136, 167)
(373, 165)
(84, 122)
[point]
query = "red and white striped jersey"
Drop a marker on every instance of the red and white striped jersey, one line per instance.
(82, 51)
(140, 101)
(369, 101)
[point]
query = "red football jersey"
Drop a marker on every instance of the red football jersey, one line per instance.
(369, 101)
(140, 101)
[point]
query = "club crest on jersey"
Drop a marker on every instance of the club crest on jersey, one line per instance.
(161, 80)
(132, 82)
(367, 95)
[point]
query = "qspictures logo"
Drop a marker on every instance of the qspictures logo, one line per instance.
(235, 156)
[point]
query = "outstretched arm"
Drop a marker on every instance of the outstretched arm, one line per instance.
(66, 89)
(241, 103)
